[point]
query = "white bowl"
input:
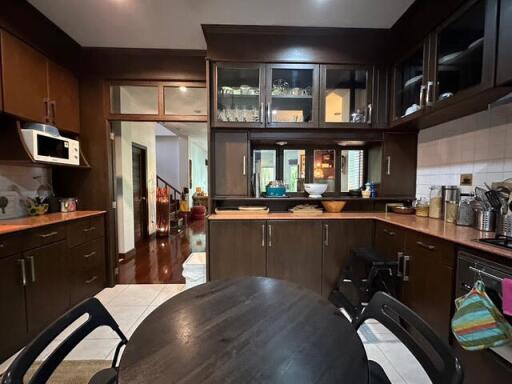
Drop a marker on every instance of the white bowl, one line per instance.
(315, 190)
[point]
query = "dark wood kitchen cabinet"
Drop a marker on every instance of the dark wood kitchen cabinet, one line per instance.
(399, 158)
(504, 60)
(389, 240)
(13, 322)
(294, 249)
(237, 248)
(63, 95)
(231, 152)
(340, 237)
(428, 275)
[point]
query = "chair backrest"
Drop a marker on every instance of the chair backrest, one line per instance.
(98, 316)
(434, 355)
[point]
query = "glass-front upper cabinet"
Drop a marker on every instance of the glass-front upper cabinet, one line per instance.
(465, 49)
(410, 84)
(292, 95)
(238, 99)
(345, 96)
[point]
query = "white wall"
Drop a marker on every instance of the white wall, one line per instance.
(480, 144)
(172, 160)
(198, 154)
(143, 134)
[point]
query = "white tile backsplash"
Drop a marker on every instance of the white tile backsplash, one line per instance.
(471, 144)
(24, 179)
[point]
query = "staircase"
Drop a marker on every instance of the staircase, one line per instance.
(176, 223)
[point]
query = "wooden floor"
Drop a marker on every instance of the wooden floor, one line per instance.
(159, 260)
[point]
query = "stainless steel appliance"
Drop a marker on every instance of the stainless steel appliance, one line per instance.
(498, 241)
(45, 144)
(485, 220)
(471, 268)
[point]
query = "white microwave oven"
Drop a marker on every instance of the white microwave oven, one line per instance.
(50, 148)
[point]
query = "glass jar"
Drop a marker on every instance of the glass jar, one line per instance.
(422, 207)
(451, 211)
(436, 202)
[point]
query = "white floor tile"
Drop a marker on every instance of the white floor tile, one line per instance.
(140, 294)
(168, 292)
(146, 313)
(375, 354)
(404, 363)
(108, 294)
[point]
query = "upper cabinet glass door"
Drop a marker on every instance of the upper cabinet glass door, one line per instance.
(292, 95)
(238, 99)
(410, 85)
(344, 95)
(460, 51)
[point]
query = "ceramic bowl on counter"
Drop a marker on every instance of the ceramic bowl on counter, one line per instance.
(315, 190)
(334, 206)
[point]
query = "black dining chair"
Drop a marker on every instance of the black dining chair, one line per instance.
(435, 356)
(98, 316)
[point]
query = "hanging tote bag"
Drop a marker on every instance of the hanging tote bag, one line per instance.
(477, 323)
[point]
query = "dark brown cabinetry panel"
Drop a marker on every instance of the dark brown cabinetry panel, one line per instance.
(389, 240)
(63, 95)
(399, 158)
(47, 285)
(504, 67)
(24, 76)
(231, 168)
(81, 231)
(13, 321)
(43, 236)
(428, 280)
(483, 367)
(237, 248)
(87, 268)
(294, 250)
(339, 238)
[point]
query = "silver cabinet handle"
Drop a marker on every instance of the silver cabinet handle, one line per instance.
(47, 235)
(406, 261)
(326, 239)
(244, 165)
(89, 281)
(388, 232)
(426, 246)
(270, 235)
(370, 112)
(269, 112)
(423, 96)
(388, 171)
(399, 257)
(262, 112)
(430, 96)
(262, 235)
(32, 268)
(86, 256)
(23, 271)
(93, 228)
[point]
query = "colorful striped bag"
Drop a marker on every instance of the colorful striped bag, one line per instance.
(477, 323)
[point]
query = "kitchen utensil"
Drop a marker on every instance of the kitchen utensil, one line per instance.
(494, 199)
(334, 206)
(466, 214)
(404, 210)
(480, 196)
(485, 220)
(315, 190)
(504, 225)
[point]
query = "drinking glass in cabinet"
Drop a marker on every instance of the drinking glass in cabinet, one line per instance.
(346, 96)
(184, 100)
(292, 98)
(294, 169)
(264, 165)
(410, 90)
(134, 99)
(460, 52)
(324, 171)
(238, 95)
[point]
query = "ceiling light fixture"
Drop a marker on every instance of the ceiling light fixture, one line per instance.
(348, 143)
(281, 143)
(183, 88)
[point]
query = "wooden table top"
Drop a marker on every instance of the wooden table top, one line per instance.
(248, 330)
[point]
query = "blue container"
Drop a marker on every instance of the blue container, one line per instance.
(275, 191)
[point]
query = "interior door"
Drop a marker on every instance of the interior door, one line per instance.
(63, 94)
(231, 171)
(294, 252)
(140, 205)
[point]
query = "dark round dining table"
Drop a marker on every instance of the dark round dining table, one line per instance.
(246, 330)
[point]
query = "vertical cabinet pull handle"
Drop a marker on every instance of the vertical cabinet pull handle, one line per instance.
(399, 257)
(32, 269)
(406, 262)
(430, 94)
(388, 171)
(326, 239)
(423, 96)
(53, 110)
(244, 165)
(46, 104)
(262, 112)
(23, 271)
(262, 235)
(269, 112)
(270, 235)
(370, 112)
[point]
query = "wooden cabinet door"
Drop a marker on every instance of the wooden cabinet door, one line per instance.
(399, 164)
(340, 236)
(504, 65)
(231, 168)
(237, 248)
(428, 280)
(294, 252)
(47, 287)
(13, 321)
(24, 76)
(63, 95)
(389, 240)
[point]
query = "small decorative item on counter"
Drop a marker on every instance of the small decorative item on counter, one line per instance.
(334, 206)
(451, 210)
(436, 202)
(366, 193)
(373, 190)
(275, 188)
(307, 209)
(35, 207)
(358, 117)
(422, 207)
(315, 190)
(163, 224)
(68, 205)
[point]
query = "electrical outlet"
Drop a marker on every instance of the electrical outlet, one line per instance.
(466, 179)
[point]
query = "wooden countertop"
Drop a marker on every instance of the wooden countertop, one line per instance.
(25, 223)
(434, 227)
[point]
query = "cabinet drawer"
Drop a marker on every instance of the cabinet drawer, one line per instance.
(10, 244)
(43, 236)
(96, 228)
(440, 249)
(87, 270)
(81, 231)
(389, 240)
